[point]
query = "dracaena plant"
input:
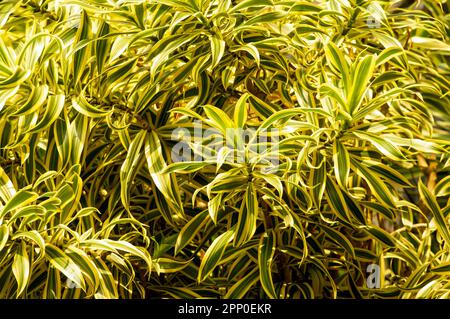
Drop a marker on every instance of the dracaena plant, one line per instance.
(224, 149)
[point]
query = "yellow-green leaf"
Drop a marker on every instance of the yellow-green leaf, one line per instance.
(214, 254)
(266, 252)
(21, 268)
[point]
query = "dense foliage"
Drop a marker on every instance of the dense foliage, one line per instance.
(98, 96)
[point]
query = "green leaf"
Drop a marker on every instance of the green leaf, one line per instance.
(244, 5)
(118, 47)
(166, 46)
(64, 264)
(266, 251)
(35, 101)
(388, 54)
(240, 111)
(166, 184)
(185, 167)
(190, 230)
(361, 77)
(383, 145)
(34, 237)
(378, 188)
(214, 206)
(262, 108)
(341, 160)
(241, 287)
(391, 175)
(4, 236)
(214, 254)
(19, 76)
(430, 43)
(443, 187)
(170, 265)
(217, 50)
(380, 235)
(218, 119)
(7, 189)
(21, 198)
(80, 56)
(86, 266)
(102, 46)
(250, 49)
(27, 211)
(108, 285)
(54, 107)
(52, 288)
(224, 183)
(318, 179)
(336, 199)
(81, 105)
(443, 268)
(340, 239)
(130, 166)
(327, 90)
(229, 75)
(272, 179)
(265, 18)
(337, 60)
(248, 214)
(116, 245)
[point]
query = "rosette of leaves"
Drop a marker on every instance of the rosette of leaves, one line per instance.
(352, 97)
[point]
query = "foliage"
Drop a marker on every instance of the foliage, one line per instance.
(352, 96)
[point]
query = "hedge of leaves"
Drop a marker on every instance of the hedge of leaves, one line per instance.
(351, 95)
